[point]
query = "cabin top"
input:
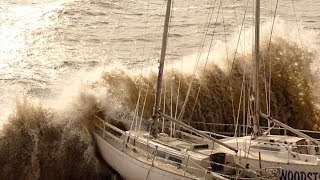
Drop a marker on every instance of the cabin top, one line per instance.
(280, 139)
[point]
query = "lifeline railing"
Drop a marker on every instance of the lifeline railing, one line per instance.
(262, 127)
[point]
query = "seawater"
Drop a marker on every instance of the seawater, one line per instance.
(63, 61)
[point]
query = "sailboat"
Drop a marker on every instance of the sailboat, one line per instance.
(298, 156)
(152, 155)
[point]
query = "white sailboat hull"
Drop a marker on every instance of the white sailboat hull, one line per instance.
(274, 153)
(287, 171)
(131, 168)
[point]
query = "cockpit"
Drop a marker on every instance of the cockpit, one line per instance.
(304, 147)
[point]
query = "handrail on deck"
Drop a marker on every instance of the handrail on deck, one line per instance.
(263, 127)
(109, 125)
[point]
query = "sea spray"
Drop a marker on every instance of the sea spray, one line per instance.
(36, 146)
(292, 94)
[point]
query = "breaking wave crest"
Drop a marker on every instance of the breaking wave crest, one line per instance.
(39, 142)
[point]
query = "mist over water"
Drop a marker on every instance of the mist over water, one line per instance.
(64, 62)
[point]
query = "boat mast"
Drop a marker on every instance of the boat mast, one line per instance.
(155, 116)
(256, 128)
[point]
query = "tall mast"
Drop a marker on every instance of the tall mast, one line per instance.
(161, 66)
(256, 128)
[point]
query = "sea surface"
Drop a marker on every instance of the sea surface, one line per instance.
(51, 49)
(45, 44)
